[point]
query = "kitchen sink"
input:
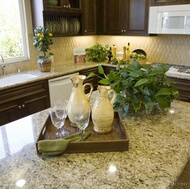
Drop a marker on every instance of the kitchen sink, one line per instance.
(13, 79)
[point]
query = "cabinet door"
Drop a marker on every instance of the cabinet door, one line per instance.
(123, 17)
(185, 1)
(89, 16)
(165, 2)
(37, 98)
(9, 112)
(35, 104)
(115, 18)
(183, 85)
(20, 101)
(138, 17)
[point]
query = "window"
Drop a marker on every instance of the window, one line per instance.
(13, 31)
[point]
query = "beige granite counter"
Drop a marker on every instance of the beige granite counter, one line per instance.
(159, 148)
(56, 71)
(68, 68)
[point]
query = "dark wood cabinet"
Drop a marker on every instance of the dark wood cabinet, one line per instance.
(185, 1)
(89, 9)
(64, 19)
(121, 17)
(115, 16)
(18, 102)
(93, 80)
(138, 17)
(169, 2)
(183, 85)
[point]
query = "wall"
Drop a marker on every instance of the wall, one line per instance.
(173, 49)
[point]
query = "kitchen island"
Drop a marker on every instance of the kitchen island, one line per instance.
(159, 148)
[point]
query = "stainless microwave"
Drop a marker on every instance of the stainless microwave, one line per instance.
(174, 19)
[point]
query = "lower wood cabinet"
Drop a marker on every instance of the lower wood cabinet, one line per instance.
(93, 80)
(169, 2)
(18, 102)
(183, 85)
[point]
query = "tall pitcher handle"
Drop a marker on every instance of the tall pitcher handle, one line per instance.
(114, 95)
(91, 89)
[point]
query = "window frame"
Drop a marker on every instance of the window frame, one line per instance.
(23, 5)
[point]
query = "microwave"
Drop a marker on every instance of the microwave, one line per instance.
(174, 19)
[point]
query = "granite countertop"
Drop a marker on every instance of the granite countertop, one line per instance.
(159, 148)
(70, 67)
(56, 71)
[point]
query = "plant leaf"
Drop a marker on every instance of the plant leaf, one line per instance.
(163, 91)
(100, 69)
(141, 82)
(91, 74)
(104, 81)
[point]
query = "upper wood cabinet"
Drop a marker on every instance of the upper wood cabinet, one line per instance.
(169, 2)
(115, 16)
(121, 17)
(64, 19)
(89, 9)
(138, 17)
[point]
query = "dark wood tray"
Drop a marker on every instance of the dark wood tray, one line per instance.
(116, 140)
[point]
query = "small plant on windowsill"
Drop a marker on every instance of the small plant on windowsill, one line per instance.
(140, 87)
(42, 41)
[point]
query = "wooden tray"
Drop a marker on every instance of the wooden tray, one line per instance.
(116, 140)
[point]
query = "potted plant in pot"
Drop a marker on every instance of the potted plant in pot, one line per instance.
(140, 87)
(42, 42)
(97, 53)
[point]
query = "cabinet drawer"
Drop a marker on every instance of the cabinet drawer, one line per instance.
(183, 85)
(14, 93)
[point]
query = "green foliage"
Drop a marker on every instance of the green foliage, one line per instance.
(97, 53)
(42, 41)
(141, 87)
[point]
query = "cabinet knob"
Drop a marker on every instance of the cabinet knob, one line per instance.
(23, 105)
(121, 30)
(19, 107)
(124, 30)
(85, 30)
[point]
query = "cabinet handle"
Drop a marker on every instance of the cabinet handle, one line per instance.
(67, 6)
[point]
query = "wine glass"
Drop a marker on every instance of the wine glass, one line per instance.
(81, 114)
(61, 112)
(58, 114)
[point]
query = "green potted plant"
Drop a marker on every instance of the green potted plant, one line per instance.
(42, 41)
(97, 53)
(140, 87)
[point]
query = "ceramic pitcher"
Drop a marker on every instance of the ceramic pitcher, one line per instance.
(102, 110)
(78, 95)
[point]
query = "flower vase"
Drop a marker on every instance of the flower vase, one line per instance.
(44, 64)
(102, 110)
(78, 95)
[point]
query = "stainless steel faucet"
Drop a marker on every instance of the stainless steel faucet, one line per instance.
(3, 66)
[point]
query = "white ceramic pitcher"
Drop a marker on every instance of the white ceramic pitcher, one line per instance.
(102, 111)
(78, 95)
